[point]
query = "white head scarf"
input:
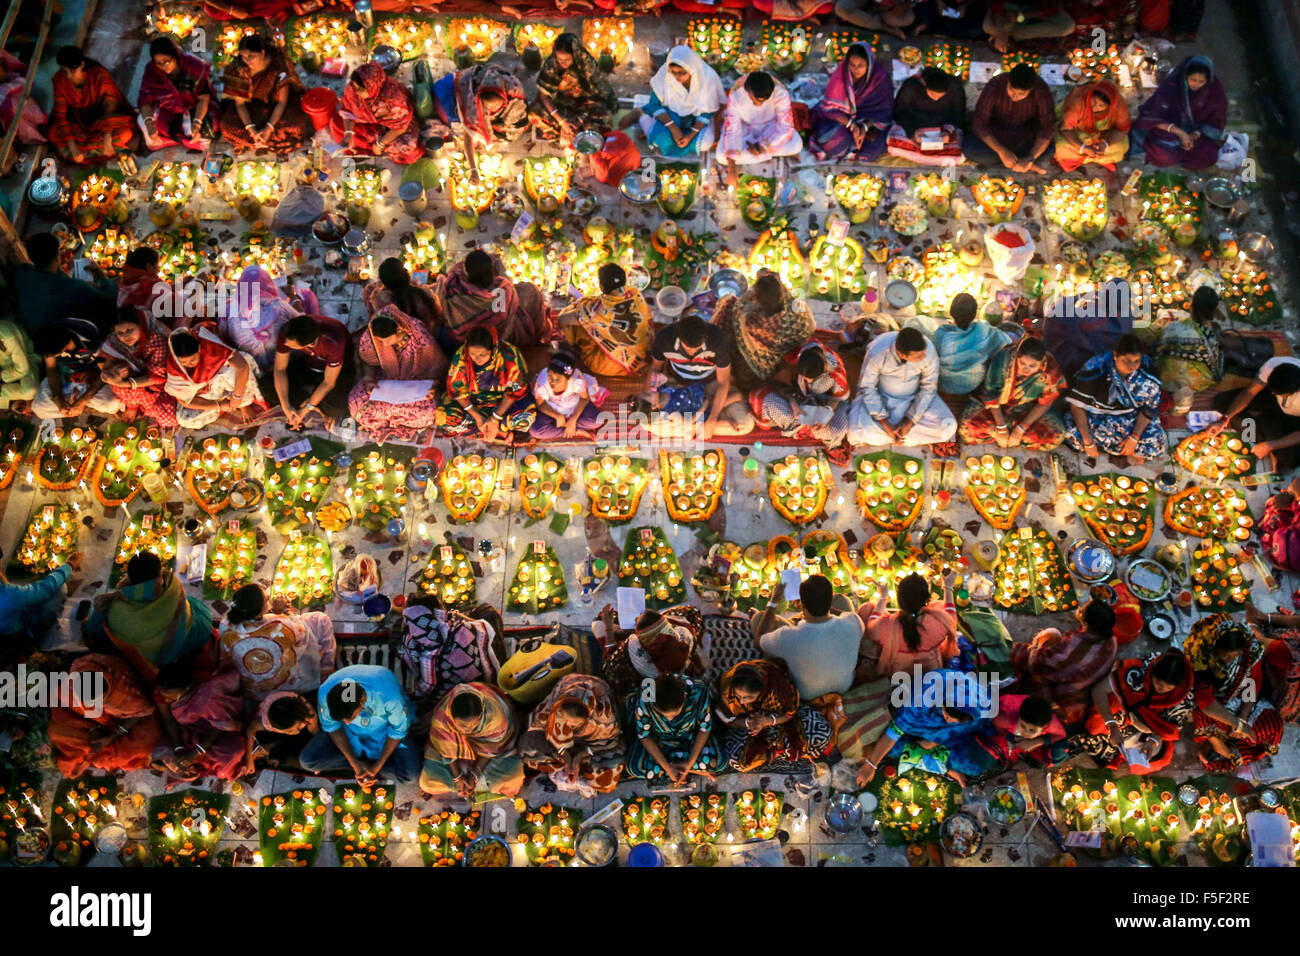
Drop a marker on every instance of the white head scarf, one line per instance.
(705, 95)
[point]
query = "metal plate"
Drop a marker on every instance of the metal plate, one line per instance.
(728, 282)
(1148, 580)
(899, 294)
(1220, 192)
(638, 189)
(1160, 626)
(1090, 561)
(961, 835)
(588, 141)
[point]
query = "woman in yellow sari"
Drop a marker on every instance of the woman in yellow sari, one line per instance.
(610, 332)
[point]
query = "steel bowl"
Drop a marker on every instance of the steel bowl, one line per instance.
(356, 242)
(638, 189)
(1256, 246)
(251, 494)
(1148, 580)
(581, 202)
(1160, 626)
(1091, 562)
(330, 228)
(638, 277)
(843, 813)
(479, 843)
(728, 282)
(900, 294)
(588, 141)
(596, 845)
(1221, 192)
(388, 57)
(967, 844)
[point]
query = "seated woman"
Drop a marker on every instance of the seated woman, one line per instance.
(573, 736)
(203, 732)
(767, 730)
(671, 731)
(140, 283)
(1281, 636)
(685, 108)
(285, 721)
(487, 391)
(1183, 122)
(1234, 724)
(175, 96)
(1188, 354)
(610, 332)
(134, 357)
(942, 739)
(568, 401)
(816, 408)
(1025, 728)
(71, 381)
(1115, 405)
(114, 733)
(395, 347)
(258, 313)
(1094, 128)
(263, 100)
(18, 365)
(150, 620)
(90, 120)
(471, 746)
(377, 117)
(479, 106)
(209, 379)
(758, 126)
(662, 642)
(921, 631)
(1271, 403)
(573, 93)
(300, 645)
(1014, 406)
(767, 323)
(882, 16)
(853, 118)
(1062, 668)
(1140, 711)
(1014, 21)
(477, 292)
(394, 287)
(314, 369)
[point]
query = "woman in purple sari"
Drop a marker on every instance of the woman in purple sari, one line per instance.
(1182, 124)
(175, 85)
(852, 120)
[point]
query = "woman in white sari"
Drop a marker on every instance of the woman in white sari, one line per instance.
(209, 378)
(685, 108)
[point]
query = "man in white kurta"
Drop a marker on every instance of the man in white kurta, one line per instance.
(759, 124)
(898, 394)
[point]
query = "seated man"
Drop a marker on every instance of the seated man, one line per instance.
(1014, 121)
(90, 121)
(759, 125)
(1013, 20)
(883, 16)
(71, 382)
(314, 369)
(965, 346)
(364, 719)
(42, 291)
(933, 100)
(697, 358)
(898, 399)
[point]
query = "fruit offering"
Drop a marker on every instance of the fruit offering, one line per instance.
(232, 560)
(362, 818)
(258, 179)
(1031, 576)
(377, 492)
(65, 461)
(94, 198)
(945, 276)
(296, 487)
(908, 219)
(998, 196)
(645, 820)
(538, 585)
(444, 835)
(649, 563)
(702, 816)
(319, 33)
(777, 250)
(186, 826)
(410, 36)
(423, 252)
(1213, 512)
(890, 489)
(621, 246)
(79, 809)
(756, 197)
(798, 487)
(1157, 289)
(913, 805)
(784, 47)
(477, 37)
(752, 580)
(836, 269)
(449, 576)
(716, 39)
(537, 260)
(883, 563)
(20, 808)
(290, 826)
(125, 458)
(1218, 830)
(467, 483)
(466, 194)
(540, 478)
(1118, 509)
(1140, 815)
(935, 190)
(1089, 65)
(304, 574)
(546, 834)
(18, 432)
(692, 484)
(759, 813)
(827, 553)
(1218, 581)
(615, 485)
(942, 548)
(995, 487)
(50, 538)
(147, 531)
(334, 516)
(1079, 206)
(857, 193)
(1216, 457)
(1248, 295)
(677, 185)
(540, 35)
(1167, 199)
(212, 468)
(952, 58)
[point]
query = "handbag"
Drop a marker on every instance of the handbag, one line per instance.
(534, 669)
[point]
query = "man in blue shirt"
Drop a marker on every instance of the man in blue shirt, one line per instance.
(27, 611)
(364, 720)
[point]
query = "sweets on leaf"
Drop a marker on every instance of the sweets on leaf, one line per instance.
(538, 584)
(1118, 509)
(995, 487)
(890, 489)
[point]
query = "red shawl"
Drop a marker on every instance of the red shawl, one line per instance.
(1077, 112)
(76, 107)
(213, 355)
(1165, 713)
(388, 105)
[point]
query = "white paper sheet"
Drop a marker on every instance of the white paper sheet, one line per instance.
(631, 605)
(401, 391)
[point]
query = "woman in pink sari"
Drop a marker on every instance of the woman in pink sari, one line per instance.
(202, 723)
(116, 733)
(253, 321)
(175, 96)
(135, 368)
(395, 347)
(378, 117)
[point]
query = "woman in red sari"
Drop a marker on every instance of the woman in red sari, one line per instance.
(378, 116)
(175, 86)
(263, 100)
(202, 723)
(135, 368)
(91, 120)
(1094, 127)
(1142, 708)
(116, 733)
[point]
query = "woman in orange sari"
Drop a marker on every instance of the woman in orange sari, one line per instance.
(91, 120)
(378, 117)
(1094, 127)
(116, 732)
(263, 106)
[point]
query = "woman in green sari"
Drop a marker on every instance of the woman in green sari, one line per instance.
(1188, 354)
(573, 93)
(1013, 407)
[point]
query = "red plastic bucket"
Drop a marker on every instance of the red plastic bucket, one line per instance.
(319, 103)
